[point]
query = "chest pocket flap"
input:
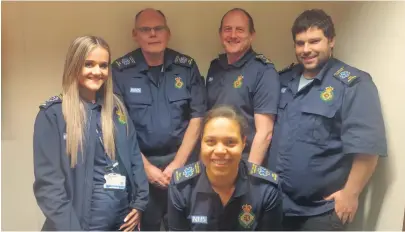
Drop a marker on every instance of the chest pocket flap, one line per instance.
(327, 111)
(177, 94)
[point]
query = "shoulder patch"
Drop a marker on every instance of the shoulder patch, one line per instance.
(286, 69)
(263, 173)
(187, 172)
(125, 62)
(344, 75)
(263, 59)
(184, 60)
(51, 101)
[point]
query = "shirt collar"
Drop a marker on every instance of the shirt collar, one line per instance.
(322, 72)
(241, 186)
(168, 59)
(223, 59)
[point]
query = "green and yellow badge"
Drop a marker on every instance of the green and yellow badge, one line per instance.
(327, 94)
(238, 82)
(179, 83)
(121, 116)
(246, 218)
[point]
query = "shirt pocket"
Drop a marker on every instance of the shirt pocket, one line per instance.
(179, 104)
(316, 123)
(139, 101)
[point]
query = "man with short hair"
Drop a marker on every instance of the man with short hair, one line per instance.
(165, 97)
(329, 132)
(246, 80)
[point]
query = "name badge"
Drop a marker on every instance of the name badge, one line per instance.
(199, 219)
(114, 181)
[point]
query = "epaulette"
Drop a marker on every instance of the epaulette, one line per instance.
(263, 59)
(263, 173)
(286, 69)
(124, 62)
(344, 75)
(187, 172)
(51, 101)
(183, 60)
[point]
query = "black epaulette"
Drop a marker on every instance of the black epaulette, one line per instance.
(263, 59)
(187, 172)
(183, 60)
(286, 69)
(347, 75)
(127, 61)
(51, 101)
(263, 173)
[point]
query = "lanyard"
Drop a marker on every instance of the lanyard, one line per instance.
(111, 165)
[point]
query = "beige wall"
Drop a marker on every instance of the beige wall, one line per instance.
(35, 37)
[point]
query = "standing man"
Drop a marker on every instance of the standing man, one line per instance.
(329, 132)
(165, 96)
(246, 80)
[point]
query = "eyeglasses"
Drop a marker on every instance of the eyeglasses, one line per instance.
(157, 29)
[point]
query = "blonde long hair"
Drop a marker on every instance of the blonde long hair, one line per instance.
(72, 106)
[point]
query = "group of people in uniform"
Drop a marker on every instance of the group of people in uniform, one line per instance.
(245, 148)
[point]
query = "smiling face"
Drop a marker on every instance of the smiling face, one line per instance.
(235, 33)
(313, 49)
(221, 147)
(94, 71)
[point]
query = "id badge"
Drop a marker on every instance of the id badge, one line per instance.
(114, 181)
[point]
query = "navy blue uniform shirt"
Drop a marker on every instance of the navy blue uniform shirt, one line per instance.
(108, 208)
(256, 203)
(251, 85)
(64, 193)
(318, 130)
(161, 110)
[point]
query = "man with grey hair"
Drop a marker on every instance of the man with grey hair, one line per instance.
(165, 97)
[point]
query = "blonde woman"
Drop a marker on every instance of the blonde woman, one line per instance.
(88, 169)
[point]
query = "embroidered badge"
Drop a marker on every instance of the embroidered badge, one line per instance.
(187, 172)
(263, 173)
(246, 218)
(344, 75)
(124, 63)
(51, 101)
(121, 116)
(184, 60)
(327, 94)
(179, 83)
(199, 219)
(263, 59)
(238, 82)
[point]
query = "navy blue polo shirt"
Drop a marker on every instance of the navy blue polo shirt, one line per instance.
(318, 130)
(256, 203)
(160, 108)
(251, 85)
